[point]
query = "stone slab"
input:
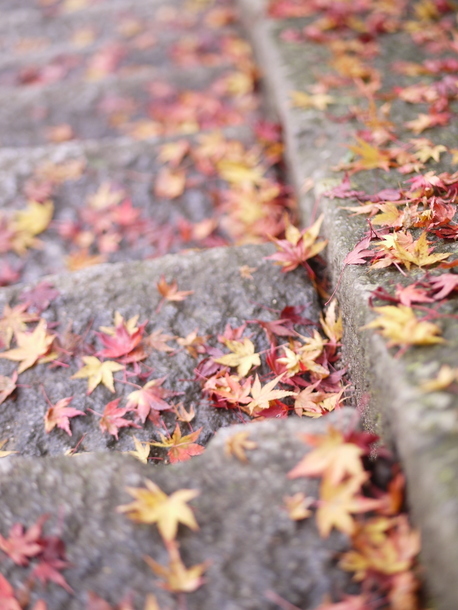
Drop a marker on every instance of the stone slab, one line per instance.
(88, 299)
(246, 535)
(124, 166)
(423, 427)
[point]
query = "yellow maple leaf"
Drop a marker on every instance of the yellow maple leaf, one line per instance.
(445, 377)
(240, 172)
(34, 219)
(298, 506)
(333, 458)
(337, 503)
(320, 101)
(237, 444)
(243, 356)
(178, 578)
(98, 372)
(371, 156)
(31, 348)
(152, 505)
(419, 253)
(141, 451)
(332, 323)
(401, 326)
(262, 395)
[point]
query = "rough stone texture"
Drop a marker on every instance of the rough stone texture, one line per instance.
(124, 164)
(27, 114)
(424, 428)
(245, 533)
(89, 299)
(39, 47)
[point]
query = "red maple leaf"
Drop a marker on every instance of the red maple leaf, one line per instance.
(52, 561)
(7, 599)
(445, 284)
(59, 415)
(122, 343)
(20, 545)
(113, 418)
(40, 297)
(150, 397)
(180, 448)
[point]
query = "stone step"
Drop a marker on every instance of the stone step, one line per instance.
(148, 103)
(90, 45)
(422, 426)
(55, 6)
(251, 545)
(230, 286)
(110, 201)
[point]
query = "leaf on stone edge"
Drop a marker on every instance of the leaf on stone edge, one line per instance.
(152, 505)
(180, 448)
(237, 444)
(243, 356)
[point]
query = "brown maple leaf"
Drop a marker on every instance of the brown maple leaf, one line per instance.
(178, 578)
(237, 444)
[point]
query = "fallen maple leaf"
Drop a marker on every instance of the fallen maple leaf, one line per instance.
(237, 444)
(445, 377)
(298, 247)
(7, 386)
(337, 503)
(31, 348)
(20, 546)
(141, 452)
(243, 356)
(5, 453)
(445, 284)
(371, 157)
(8, 600)
(298, 506)
(180, 448)
(263, 395)
(149, 397)
(400, 325)
(178, 578)
(14, 320)
(98, 372)
(152, 505)
(170, 292)
(59, 415)
(112, 418)
(52, 561)
(333, 458)
(170, 183)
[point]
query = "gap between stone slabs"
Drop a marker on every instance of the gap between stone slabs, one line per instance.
(423, 427)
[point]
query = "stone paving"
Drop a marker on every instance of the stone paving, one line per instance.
(137, 150)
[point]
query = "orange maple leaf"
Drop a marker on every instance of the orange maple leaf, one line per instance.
(180, 448)
(32, 347)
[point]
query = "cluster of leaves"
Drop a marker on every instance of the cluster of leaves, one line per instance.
(47, 552)
(411, 226)
(245, 203)
(353, 500)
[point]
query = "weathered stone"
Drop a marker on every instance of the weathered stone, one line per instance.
(424, 428)
(245, 533)
(89, 299)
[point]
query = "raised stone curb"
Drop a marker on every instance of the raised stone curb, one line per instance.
(245, 534)
(423, 427)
